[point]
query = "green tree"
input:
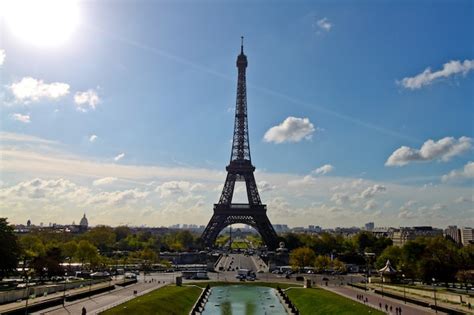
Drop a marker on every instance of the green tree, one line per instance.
(392, 253)
(103, 237)
(122, 232)
(48, 264)
(322, 263)
(9, 249)
(69, 249)
(86, 252)
(302, 257)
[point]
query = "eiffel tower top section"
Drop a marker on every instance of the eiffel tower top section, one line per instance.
(240, 142)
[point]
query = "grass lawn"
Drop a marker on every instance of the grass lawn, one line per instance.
(319, 301)
(239, 244)
(169, 300)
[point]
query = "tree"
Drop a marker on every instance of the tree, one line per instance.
(86, 252)
(392, 253)
(302, 257)
(48, 264)
(103, 237)
(69, 249)
(9, 249)
(322, 263)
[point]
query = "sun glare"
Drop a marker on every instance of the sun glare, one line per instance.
(41, 22)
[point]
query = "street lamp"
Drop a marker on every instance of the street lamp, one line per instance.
(367, 270)
(434, 294)
(404, 294)
(27, 294)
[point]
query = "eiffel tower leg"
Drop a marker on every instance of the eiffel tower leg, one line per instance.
(265, 228)
(213, 228)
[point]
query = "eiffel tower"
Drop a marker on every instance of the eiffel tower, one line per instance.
(240, 168)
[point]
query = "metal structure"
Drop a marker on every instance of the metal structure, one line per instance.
(240, 168)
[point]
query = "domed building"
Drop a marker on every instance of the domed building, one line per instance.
(84, 223)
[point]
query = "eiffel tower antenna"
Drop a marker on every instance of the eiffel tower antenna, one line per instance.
(240, 168)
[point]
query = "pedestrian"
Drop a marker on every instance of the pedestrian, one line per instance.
(380, 305)
(386, 308)
(84, 311)
(390, 308)
(366, 300)
(400, 310)
(469, 306)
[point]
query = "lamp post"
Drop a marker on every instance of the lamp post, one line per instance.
(404, 293)
(27, 294)
(64, 291)
(367, 270)
(434, 295)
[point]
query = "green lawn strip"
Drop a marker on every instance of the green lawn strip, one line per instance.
(318, 301)
(168, 300)
(260, 284)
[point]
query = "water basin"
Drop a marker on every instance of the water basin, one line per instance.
(243, 300)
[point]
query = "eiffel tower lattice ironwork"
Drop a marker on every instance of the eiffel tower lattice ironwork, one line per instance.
(240, 168)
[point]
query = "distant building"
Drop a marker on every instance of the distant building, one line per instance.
(84, 223)
(369, 226)
(467, 236)
(453, 233)
(281, 228)
(383, 231)
(405, 234)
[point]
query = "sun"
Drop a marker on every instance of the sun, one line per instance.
(41, 22)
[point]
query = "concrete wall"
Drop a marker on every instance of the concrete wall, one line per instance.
(18, 294)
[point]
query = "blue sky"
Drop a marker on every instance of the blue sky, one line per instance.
(156, 80)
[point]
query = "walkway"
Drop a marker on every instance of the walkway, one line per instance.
(375, 299)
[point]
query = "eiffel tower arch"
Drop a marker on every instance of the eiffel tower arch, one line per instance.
(240, 168)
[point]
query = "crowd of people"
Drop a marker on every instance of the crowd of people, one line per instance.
(388, 308)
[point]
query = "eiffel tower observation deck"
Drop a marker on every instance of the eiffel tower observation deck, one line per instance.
(240, 168)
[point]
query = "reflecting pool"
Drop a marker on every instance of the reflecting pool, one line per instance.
(243, 300)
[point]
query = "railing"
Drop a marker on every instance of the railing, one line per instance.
(290, 307)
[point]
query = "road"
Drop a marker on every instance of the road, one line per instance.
(98, 302)
(233, 262)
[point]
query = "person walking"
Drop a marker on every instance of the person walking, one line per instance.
(84, 311)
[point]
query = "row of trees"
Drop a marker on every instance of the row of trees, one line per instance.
(421, 259)
(44, 251)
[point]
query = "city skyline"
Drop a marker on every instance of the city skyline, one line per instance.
(348, 124)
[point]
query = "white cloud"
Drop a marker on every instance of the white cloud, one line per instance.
(467, 172)
(31, 90)
(104, 181)
(302, 182)
(324, 24)
(427, 77)
(340, 198)
(92, 138)
(2, 56)
(443, 149)
(118, 198)
(292, 129)
(21, 118)
(86, 101)
(323, 170)
(264, 186)
(370, 205)
(190, 199)
(171, 188)
(407, 215)
(372, 191)
(463, 199)
(119, 157)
